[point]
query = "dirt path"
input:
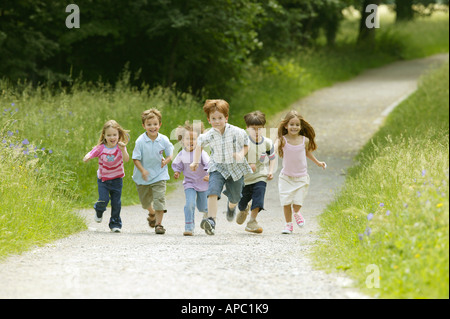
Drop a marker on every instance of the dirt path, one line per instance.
(232, 264)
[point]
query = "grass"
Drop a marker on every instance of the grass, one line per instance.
(394, 209)
(60, 126)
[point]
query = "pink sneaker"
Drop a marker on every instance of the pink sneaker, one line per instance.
(288, 228)
(299, 219)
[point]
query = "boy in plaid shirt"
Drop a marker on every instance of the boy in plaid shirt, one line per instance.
(228, 165)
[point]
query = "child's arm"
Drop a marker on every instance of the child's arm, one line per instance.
(271, 169)
(86, 158)
(311, 156)
(123, 148)
(239, 156)
(141, 168)
(166, 161)
(196, 161)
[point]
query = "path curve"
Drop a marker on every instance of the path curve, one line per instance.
(232, 264)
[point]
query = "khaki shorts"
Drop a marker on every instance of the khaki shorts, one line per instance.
(293, 190)
(153, 193)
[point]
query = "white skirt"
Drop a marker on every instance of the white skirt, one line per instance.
(293, 190)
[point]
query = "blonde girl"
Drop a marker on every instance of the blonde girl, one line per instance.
(195, 183)
(295, 143)
(111, 151)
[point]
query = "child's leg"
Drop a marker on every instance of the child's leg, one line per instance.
(115, 187)
(296, 208)
(287, 213)
(103, 200)
(212, 206)
(202, 203)
(189, 209)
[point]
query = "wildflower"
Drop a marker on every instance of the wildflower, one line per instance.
(405, 205)
(439, 205)
(26, 152)
(388, 212)
(370, 216)
(361, 236)
(25, 142)
(419, 194)
(10, 133)
(368, 231)
(381, 204)
(424, 172)
(417, 255)
(50, 151)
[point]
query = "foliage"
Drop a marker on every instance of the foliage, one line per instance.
(393, 210)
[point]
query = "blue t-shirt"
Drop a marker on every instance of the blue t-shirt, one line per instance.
(150, 153)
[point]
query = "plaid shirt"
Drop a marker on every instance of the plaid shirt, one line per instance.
(222, 148)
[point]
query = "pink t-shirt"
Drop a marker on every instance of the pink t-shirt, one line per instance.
(294, 159)
(110, 162)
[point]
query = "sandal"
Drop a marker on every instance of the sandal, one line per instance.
(151, 220)
(159, 229)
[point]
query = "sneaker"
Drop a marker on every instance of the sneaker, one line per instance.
(253, 227)
(230, 213)
(115, 230)
(242, 216)
(209, 225)
(159, 229)
(299, 219)
(97, 218)
(288, 228)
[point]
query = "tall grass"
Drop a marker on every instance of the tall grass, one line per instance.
(394, 209)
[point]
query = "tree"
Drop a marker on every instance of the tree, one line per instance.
(366, 32)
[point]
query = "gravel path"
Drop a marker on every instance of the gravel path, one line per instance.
(232, 264)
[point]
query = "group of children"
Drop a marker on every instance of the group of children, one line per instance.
(237, 162)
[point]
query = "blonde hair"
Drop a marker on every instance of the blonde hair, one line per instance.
(123, 134)
(149, 114)
(305, 130)
(188, 127)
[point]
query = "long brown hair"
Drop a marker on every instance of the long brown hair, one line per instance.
(123, 134)
(305, 130)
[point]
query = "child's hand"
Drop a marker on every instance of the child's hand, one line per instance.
(269, 176)
(164, 161)
(176, 175)
(121, 145)
(86, 158)
(322, 164)
(206, 178)
(145, 175)
(193, 166)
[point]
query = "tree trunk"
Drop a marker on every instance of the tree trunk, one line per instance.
(366, 34)
(404, 10)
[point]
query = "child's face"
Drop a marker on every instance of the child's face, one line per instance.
(190, 141)
(217, 121)
(152, 127)
(255, 132)
(111, 137)
(293, 127)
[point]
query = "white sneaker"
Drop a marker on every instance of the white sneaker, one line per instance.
(97, 219)
(115, 230)
(288, 228)
(299, 219)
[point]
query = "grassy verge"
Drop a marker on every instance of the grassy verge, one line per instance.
(60, 127)
(393, 213)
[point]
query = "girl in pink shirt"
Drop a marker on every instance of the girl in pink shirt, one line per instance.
(295, 143)
(111, 152)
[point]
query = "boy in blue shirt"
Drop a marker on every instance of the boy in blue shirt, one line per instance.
(150, 171)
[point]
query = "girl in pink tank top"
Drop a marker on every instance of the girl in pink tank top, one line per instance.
(295, 143)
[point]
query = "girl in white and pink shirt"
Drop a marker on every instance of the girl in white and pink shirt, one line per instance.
(111, 151)
(295, 143)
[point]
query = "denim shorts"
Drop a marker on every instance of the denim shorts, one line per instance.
(233, 188)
